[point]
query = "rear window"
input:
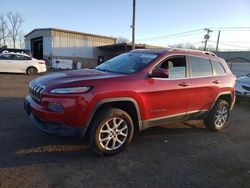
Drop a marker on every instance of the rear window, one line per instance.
(218, 69)
(200, 67)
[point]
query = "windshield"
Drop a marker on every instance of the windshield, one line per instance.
(127, 63)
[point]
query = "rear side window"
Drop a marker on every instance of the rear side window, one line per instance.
(26, 58)
(218, 69)
(200, 67)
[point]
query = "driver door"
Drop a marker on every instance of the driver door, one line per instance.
(167, 99)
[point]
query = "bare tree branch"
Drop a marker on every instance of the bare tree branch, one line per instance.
(4, 34)
(15, 23)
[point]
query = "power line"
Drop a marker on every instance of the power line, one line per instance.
(225, 44)
(173, 35)
(197, 30)
(231, 28)
(206, 37)
(241, 42)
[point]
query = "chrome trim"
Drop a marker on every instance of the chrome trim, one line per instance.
(35, 90)
(187, 67)
(175, 115)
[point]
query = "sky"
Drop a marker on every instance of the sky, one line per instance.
(154, 19)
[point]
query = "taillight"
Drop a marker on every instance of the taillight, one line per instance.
(41, 62)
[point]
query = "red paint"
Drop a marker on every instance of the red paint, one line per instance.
(155, 97)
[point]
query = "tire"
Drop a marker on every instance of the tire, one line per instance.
(104, 138)
(32, 71)
(218, 116)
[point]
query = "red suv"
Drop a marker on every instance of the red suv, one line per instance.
(132, 92)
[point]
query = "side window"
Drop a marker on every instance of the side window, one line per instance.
(200, 67)
(26, 58)
(218, 69)
(5, 57)
(176, 66)
(17, 57)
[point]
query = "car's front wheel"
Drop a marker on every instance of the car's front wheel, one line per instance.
(32, 71)
(111, 131)
(218, 117)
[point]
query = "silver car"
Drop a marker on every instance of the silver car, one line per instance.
(243, 87)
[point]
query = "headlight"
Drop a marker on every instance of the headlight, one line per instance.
(71, 90)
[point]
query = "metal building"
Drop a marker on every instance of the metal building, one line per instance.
(66, 49)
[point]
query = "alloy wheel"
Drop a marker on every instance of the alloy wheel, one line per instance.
(113, 133)
(221, 116)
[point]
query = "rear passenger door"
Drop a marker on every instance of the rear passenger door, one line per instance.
(18, 63)
(204, 85)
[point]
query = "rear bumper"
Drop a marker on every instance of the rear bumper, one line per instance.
(42, 69)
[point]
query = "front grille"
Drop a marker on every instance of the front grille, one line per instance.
(35, 90)
(246, 87)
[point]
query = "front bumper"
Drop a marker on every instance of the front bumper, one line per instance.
(50, 127)
(242, 93)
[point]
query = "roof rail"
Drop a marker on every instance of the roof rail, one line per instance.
(190, 50)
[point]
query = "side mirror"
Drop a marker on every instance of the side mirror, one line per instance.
(159, 73)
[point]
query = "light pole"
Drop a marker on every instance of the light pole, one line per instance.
(133, 26)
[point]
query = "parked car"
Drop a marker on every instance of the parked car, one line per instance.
(132, 92)
(13, 50)
(21, 63)
(243, 87)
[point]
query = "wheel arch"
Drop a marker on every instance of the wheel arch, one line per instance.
(31, 66)
(227, 96)
(127, 104)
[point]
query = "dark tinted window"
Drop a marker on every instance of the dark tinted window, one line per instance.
(200, 67)
(17, 57)
(176, 66)
(26, 58)
(5, 57)
(218, 69)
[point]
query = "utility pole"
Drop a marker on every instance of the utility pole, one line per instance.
(217, 44)
(133, 26)
(206, 37)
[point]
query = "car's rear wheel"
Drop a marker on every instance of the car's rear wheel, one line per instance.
(32, 71)
(111, 131)
(218, 117)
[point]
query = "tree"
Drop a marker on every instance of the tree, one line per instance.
(3, 30)
(122, 40)
(183, 45)
(15, 23)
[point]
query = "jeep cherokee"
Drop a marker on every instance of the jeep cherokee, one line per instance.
(132, 92)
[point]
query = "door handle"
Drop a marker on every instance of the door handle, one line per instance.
(183, 84)
(216, 81)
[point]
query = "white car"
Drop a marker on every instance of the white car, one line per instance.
(243, 87)
(21, 63)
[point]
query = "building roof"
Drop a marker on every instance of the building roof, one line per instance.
(69, 31)
(122, 45)
(232, 55)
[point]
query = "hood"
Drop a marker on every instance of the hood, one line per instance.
(244, 80)
(73, 76)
